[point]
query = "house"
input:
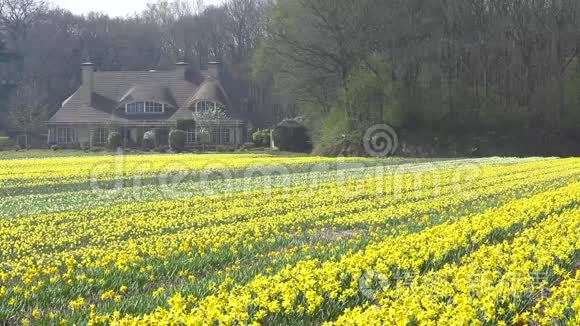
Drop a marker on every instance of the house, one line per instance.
(137, 102)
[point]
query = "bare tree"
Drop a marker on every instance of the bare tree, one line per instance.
(28, 112)
(18, 16)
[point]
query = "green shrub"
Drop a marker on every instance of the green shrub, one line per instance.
(177, 139)
(225, 149)
(162, 149)
(266, 136)
(334, 130)
(4, 142)
(55, 147)
(186, 124)
(292, 139)
(149, 140)
(257, 138)
(247, 146)
(262, 138)
(115, 140)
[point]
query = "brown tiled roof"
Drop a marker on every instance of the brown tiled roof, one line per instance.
(113, 89)
(80, 114)
(184, 113)
(115, 84)
(149, 92)
(210, 90)
(73, 110)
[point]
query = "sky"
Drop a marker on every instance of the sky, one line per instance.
(113, 8)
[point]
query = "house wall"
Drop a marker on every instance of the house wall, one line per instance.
(84, 135)
(238, 135)
(134, 135)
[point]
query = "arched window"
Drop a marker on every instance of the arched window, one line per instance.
(145, 107)
(204, 106)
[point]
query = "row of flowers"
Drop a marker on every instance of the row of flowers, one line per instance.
(560, 303)
(105, 263)
(43, 172)
(53, 198)
(311, 286)
(508, 276)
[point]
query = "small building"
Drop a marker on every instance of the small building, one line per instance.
(136, 102)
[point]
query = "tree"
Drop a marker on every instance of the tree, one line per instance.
(28, 112)
(448, 66)
(5, 56)
(6, 85)
(18, 16)
(243, 24)
(457, 66)
(208, 119)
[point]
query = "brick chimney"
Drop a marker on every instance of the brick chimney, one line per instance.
(213, 69)
(181, 69)
(88, 82)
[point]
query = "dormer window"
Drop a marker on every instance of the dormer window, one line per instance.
(204, 106)
(144, 107)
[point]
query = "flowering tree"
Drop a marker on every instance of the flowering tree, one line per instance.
(206, 119)
(150, 139)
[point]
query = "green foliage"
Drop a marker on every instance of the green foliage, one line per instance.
(225, 149)
(492, 115)
(162, 149)
(4, 142)
(258, 139)
(115, 140)
(149, 140)
(266, 136)
(185, 124)
(292, 139)
(373, 94)
(177, 139)
(334, 130)
(262, 138)
(262, 67)
(572, 95)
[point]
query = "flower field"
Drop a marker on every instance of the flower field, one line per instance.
(253, 238)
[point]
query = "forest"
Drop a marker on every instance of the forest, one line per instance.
(453, 77)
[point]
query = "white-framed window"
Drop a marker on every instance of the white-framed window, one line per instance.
(220, 135)
(215, 135)
(66, 135)
(226, 139)
(204, 106)
(144, 107)
(101, 136)
(190, 136)
(153, 107)
(135, 107)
